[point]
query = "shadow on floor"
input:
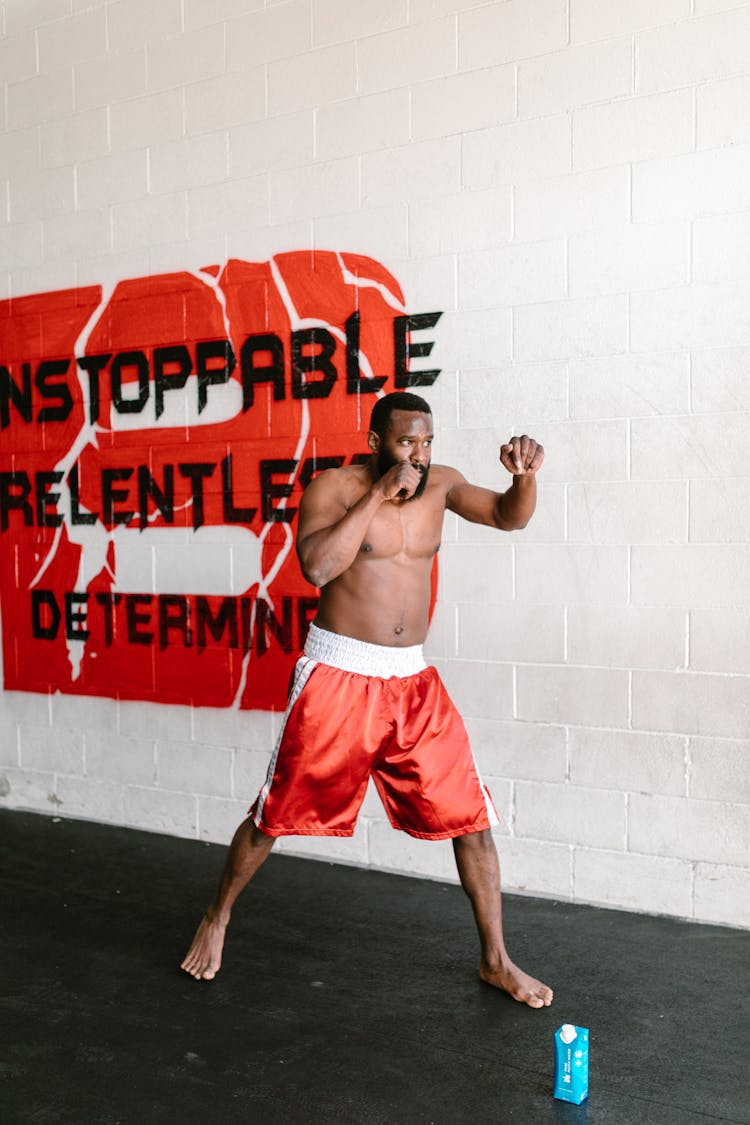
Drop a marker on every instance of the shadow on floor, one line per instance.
(347, 997)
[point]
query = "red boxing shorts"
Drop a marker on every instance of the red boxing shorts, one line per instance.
(357, 710)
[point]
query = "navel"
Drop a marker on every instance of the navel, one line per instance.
(398, 630)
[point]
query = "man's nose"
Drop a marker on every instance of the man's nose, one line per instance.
(420, 456)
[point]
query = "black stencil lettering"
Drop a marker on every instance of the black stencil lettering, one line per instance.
(232, 514)
(46, 500)
(174, 614)
(162, 498)
(252, 374)
(357, 384)
(10, 392)
(133, 618)
(271, 491)
(303, 365)
(404, 350)
(48, 389)
(175, 356)
(196, 472)
(76, 515)
(112, 496)
(93, 365)
(313, 465)
(267, 620)
(246, 617)
(205, 351)
(75, 619)
(45, 615)
(15, 501)
(108, 603)
(225, 618)
(122, 362)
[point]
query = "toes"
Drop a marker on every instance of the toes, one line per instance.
(539, 997)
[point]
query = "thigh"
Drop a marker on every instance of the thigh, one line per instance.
(427, 776)
(318, 775)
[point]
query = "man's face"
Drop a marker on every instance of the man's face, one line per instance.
(408, 438)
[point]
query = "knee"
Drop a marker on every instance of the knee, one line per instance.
(261, 839)
(251, 836)
(478, 842)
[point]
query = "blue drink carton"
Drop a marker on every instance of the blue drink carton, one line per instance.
(572, 1063)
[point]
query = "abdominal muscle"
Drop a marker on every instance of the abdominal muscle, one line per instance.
(383, 601)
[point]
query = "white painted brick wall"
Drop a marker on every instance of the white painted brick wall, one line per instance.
(516, 152)
(631, 386)
(723, 112)
(534, 752)
(570, 815)
(627, 636)
(646, 256)
(582, 696)
(627, 512)
(609, 759)
(632, 130)
(574, 77)
(720, 640)
(568, 180)
(463, 102)
(562, 329)
(600, 19)
(719, 381)
(663, 886)
(510, 31)
(316, 78)
(584, 575)
(715, 888)
(718, 770)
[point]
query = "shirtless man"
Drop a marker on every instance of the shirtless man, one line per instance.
(363, 702)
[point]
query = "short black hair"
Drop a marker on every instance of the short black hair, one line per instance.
(396, 400)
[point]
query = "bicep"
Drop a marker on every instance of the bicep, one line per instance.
(321, 507)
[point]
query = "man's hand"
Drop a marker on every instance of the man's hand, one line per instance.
(521, 456)
(400, 482)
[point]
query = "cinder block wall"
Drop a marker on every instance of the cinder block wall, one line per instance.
(569, 180)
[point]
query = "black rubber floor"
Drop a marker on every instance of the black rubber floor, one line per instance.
(347, 997)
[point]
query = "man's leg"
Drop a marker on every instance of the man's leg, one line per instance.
(479, 870)
(249, 849)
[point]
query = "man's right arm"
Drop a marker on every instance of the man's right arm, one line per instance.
(330, 532)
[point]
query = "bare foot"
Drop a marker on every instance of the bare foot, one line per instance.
(203, 959)
(518, 984)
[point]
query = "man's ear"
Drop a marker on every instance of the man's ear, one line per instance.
(373, 441)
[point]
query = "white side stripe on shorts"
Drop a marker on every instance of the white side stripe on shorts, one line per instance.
(302, 672)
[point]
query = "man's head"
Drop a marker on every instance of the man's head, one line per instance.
(401, 430)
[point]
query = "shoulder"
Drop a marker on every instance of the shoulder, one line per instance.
(446, 478)
(343, 485)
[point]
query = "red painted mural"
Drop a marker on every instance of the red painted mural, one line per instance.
(154, 445)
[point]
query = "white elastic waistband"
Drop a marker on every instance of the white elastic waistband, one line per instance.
(351, 655)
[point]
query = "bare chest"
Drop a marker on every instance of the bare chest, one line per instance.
(409, 530)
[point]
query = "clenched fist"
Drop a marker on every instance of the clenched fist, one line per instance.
(402, 481)
(521, 456)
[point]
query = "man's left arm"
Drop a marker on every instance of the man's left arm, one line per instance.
(510, 510)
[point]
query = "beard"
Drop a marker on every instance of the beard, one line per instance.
(385, 462)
